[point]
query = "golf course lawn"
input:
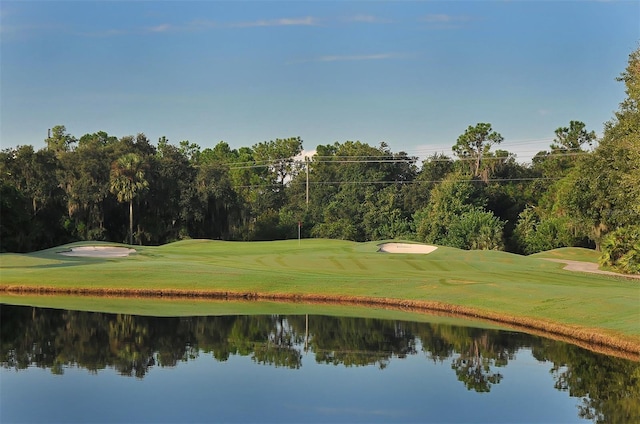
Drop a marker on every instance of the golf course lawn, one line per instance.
(529, 292)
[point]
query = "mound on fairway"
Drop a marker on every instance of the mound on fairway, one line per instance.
(422, 249)
(98, 252)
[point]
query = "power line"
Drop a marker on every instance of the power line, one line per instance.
(382, 182)
(353, 159)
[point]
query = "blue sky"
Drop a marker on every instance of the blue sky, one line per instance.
(414, 74)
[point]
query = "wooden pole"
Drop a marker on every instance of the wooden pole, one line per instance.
(306, 160)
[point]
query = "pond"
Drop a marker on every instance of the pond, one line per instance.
(73, 366)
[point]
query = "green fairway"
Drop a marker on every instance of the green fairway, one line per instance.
(489, 282)
(570, 253)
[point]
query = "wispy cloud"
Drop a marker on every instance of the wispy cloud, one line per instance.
(161, 28)
(196, 25)
(113, 32)
(306, 21)
(369, 19)
(442, 20)
(201, 25)
(204, 24)
(338, 58)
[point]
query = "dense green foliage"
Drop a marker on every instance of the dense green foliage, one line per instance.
(621, 250)
(573, 195)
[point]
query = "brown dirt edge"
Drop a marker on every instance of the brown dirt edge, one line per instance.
(589, 338)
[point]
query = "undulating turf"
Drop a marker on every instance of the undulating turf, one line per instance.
(570, 253)
(489, 282)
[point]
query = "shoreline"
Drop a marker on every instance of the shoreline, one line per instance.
(593, 339)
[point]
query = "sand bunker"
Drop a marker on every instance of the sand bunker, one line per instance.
(422, 249)
(99, 252)
(589, 267)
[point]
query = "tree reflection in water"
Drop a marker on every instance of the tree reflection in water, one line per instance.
(132, 345)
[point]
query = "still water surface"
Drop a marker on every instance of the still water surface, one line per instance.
(71, 366)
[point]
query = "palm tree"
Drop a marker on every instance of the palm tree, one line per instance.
(127, 181)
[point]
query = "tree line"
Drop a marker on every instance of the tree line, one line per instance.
(582, 191)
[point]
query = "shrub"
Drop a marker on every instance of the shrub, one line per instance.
(621, 250)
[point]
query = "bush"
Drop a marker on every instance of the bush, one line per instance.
(621, 250)
(476, 229)
(534, 234)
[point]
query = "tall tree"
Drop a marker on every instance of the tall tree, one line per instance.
(621, 141)
(84, 174)
(33, 173)
(216, 200)
(278, 156)
(190, 150)
(346, 181)
(600, 192)
(59, 141)
(616, 161)
(568, 146)
(127, 182)
(434, 169)
(475, 144)
(253, 186)
(447, 201)
(573, 137)
(31, 200)
(278, 164)
(168, 202)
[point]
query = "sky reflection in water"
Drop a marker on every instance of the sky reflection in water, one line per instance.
(239, 390)
(411, 379)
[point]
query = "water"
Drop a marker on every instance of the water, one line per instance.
(70, 366)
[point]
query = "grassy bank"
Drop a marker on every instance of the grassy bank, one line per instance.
(507, 288)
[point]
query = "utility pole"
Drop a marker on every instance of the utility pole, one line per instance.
(306, 161)
(306, 332)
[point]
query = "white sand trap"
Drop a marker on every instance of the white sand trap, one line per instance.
(421, 249)
(99, 252)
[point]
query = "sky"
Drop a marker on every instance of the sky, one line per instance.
(414, 74)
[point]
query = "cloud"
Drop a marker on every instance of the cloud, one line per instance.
(192, 26)
(160, 28)
(204, 24)
(306, 21)
(369, 19)
(199, 24)
(442, 20)
(106, 33)
(338, 58)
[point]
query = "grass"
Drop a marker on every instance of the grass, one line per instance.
(504, 287)
(570, 253)
(176, 307)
